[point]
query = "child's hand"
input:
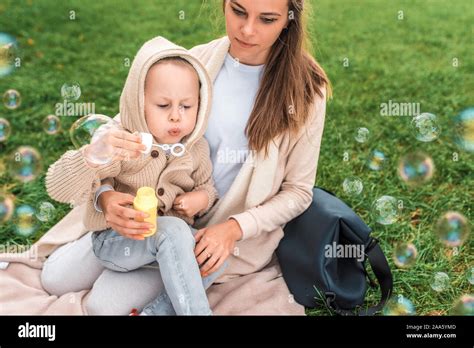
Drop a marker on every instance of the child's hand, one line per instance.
(121, 218)
(113, 145)
(191, 203)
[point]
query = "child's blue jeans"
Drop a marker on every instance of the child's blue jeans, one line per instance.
(172, 246)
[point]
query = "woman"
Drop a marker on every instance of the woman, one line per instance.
(269, 105)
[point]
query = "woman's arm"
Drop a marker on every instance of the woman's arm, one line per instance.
(297, 188)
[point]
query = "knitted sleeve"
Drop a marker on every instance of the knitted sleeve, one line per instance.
(72, 180)
(202, 175)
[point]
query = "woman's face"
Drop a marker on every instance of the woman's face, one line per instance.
(253, 27)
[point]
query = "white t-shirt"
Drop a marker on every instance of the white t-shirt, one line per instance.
(234, 93)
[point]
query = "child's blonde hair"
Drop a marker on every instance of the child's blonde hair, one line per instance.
(178, 61)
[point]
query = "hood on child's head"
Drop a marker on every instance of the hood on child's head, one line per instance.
(132, 100)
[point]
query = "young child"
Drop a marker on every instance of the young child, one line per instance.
(167, 94)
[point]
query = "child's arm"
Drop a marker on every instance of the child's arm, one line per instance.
(204, 183)
(203, 196)
(191, 203)
(72, 180)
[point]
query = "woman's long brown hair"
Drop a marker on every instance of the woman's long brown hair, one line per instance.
(290, 82)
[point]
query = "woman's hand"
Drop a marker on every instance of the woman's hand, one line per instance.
(114, 143)
(214, 244)
(191, 203)
(121, 218)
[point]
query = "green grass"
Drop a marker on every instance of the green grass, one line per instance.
(407, 60)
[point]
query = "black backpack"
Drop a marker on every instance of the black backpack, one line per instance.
(330, 225)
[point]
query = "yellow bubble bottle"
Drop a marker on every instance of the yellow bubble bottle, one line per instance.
(146, 201)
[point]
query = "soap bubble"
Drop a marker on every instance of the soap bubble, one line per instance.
(470, 275)
(376, 160)
(82, 131)
(452, 229)
(5, 129)
(12, 99)
(100, 151)
(24, 220)
(399, 305)
(385, 210)
(352, 186)
(71, 91)
(7, 206)
(46, 212)
(51, 124)
(92, 129)
(8, 53)
(25, 164)
(464, 305)
(464, 127)
(439, 282)
(404, 255)
(416, 168)
(425, 127)
(362, 135)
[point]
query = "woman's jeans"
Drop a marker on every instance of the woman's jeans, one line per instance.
(172, 247)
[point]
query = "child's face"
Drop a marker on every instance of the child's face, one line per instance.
(171, 101)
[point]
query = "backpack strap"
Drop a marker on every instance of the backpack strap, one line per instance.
(382, 272)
